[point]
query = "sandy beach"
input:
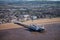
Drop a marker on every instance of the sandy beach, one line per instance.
(39, 21)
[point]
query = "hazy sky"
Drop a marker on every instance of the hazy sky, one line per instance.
(30, 0)
(43, 0)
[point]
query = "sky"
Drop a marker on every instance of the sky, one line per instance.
(43, 0)
(29, 0)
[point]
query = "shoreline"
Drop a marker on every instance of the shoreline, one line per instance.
(40, 21)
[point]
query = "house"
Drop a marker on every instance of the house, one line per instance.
(14, 19)
(26, 17)
(33, 17)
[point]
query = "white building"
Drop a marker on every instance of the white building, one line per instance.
(26, 17)
(34, 17)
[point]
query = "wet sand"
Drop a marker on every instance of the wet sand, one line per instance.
(9, 26)
(52, 33)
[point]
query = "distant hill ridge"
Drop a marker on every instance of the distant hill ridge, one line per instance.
(29, 2)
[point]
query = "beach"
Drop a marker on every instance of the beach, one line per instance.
(11, 31)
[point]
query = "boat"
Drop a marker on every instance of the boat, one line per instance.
(35, 27)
